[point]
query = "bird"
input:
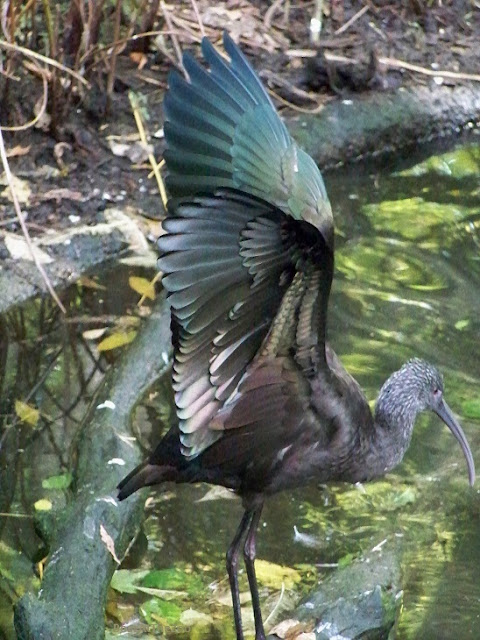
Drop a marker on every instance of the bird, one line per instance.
(263, 403)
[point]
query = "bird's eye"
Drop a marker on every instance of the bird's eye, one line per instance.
(437, 392)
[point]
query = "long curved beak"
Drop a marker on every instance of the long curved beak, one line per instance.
(444, 412)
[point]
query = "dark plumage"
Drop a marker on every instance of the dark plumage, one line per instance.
(263, 402)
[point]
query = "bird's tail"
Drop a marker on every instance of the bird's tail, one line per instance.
(145, 475)
(163, 465)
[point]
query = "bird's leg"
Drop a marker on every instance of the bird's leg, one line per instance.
(232, 569)
(249, 557)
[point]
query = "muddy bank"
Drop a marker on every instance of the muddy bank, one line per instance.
(382, 125)
(374, 126)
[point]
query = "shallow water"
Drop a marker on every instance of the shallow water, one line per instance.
(407, 283)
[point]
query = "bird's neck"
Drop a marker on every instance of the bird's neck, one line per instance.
(394, 419)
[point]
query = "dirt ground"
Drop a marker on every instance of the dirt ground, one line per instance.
(71, 176)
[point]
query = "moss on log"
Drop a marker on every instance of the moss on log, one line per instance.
(71, 603)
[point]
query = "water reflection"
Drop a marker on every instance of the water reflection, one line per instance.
(427, 306)
(49, 370)
(407, 281)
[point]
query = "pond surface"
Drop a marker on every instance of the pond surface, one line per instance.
(407, 283)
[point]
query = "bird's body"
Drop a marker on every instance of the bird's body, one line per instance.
(263, 402)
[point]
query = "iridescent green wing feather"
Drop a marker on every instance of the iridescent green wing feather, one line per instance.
(222, 130)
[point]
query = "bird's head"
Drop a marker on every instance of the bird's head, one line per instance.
(423, 383)
(415, 387)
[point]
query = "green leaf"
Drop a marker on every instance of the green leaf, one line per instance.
(62, 481)
(27, 413)
(163, 611)
(173, 579)
(346, 560)
(126, 580)
(142, 286)
(165, 594)
(115, 340)
(43, 505)
(462, 324)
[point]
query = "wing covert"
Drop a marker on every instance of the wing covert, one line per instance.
(227, 264)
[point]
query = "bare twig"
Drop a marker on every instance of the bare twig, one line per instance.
(283, 82)
(38, 56)
(174, 38)
(198, 16)
(378, 31)
(353, 19)
(270, 12)
(148, 11)
(290, 105)
(143, 138)
(393, 63)
(113, 57)
(187, 26)
(52, 45)
(26, 8)
(131, 38)
(52, 32)
(316, 22)
(9, 75)
(334, 57)
(41, 111)
(155, 279)
(277, 604)
(160, 165)
(3, 20)
(16, 205)
(301, 53)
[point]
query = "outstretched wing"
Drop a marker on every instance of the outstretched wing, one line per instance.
(222, 131)
(248, 264)
(232, 265)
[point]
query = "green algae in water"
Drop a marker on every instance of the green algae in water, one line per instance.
(459, 163)
(414, 218)
(387, 265)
